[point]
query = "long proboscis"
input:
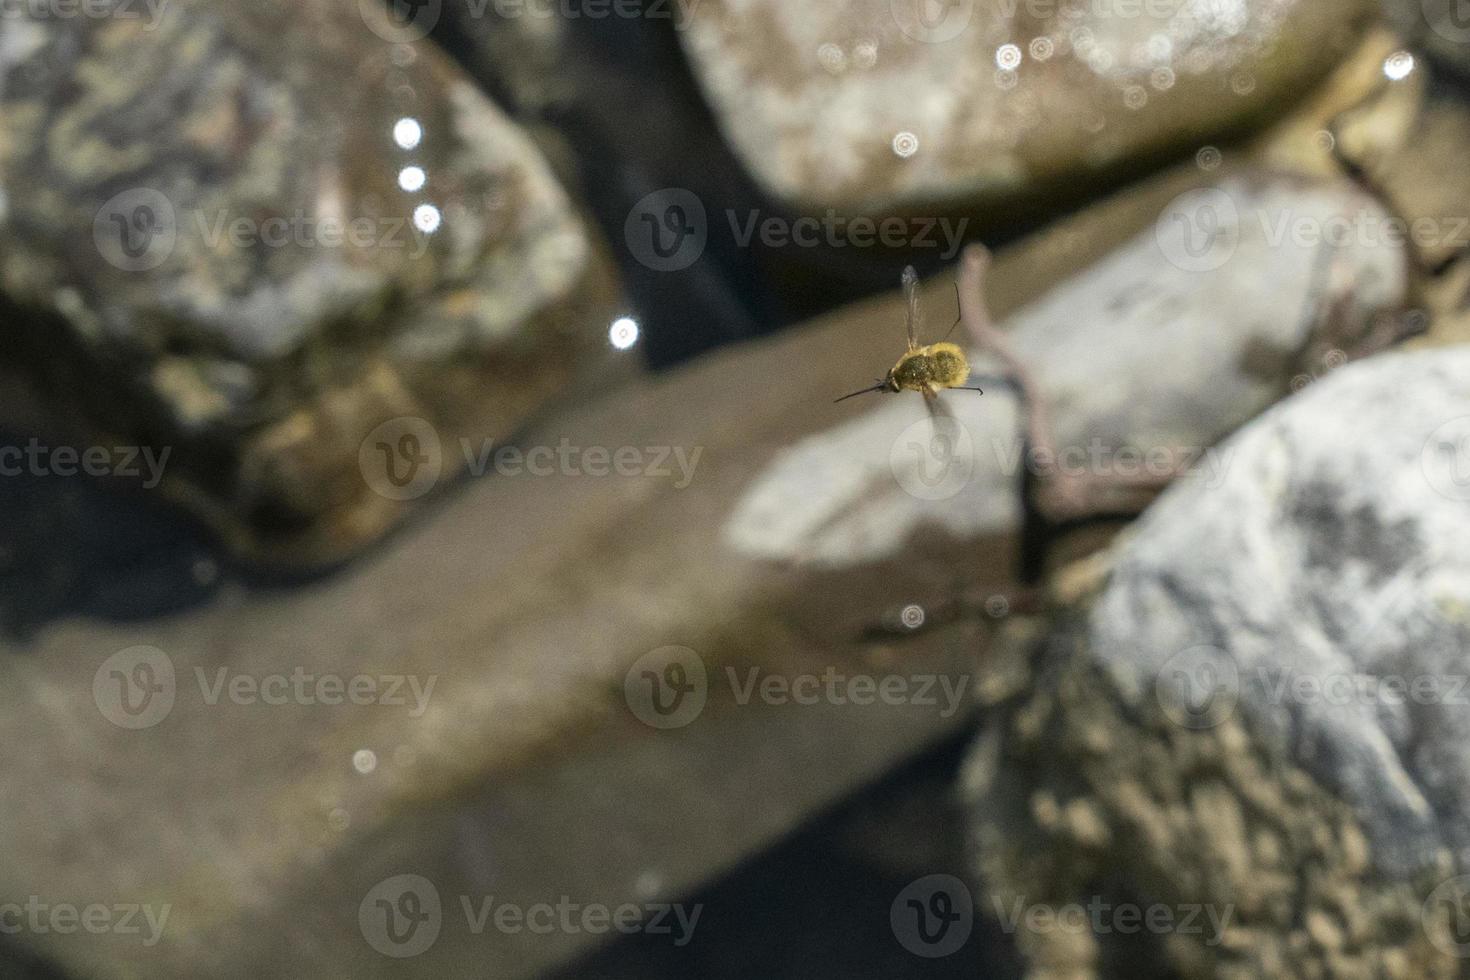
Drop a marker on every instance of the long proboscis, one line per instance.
(866, 391)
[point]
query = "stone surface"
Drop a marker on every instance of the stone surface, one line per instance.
(528, 776)
(213, 238)
(1262, 710)
(529, 598)
(1437, 26)
(610, 93)
(872, 105)
(1408, 144)
(1145, 359)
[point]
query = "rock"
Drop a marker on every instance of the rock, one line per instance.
(1278, 663)
(1248, 305)
(268, 821)
(1436, 26)
(213, 238)
(611, 93)
(1299, 141)
(1407, 144)
(871, 106)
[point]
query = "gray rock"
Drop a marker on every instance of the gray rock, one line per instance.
(1265, 712)
(876, 105)
(255, 232)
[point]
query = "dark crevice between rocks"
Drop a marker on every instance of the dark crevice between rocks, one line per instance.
(17, 964)
(70, 545)
(636, 123)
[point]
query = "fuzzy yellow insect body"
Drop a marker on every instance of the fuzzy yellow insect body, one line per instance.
(927, 370)
(930, 369)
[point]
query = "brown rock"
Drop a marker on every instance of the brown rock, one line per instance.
(1410, 147)
(254, 233)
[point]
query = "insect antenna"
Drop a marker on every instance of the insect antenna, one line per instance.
(877, 387)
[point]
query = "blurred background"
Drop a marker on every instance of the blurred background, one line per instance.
(431, 547)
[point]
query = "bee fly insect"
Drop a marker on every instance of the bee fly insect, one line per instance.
(928, 369)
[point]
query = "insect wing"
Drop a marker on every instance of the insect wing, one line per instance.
(911, 295)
